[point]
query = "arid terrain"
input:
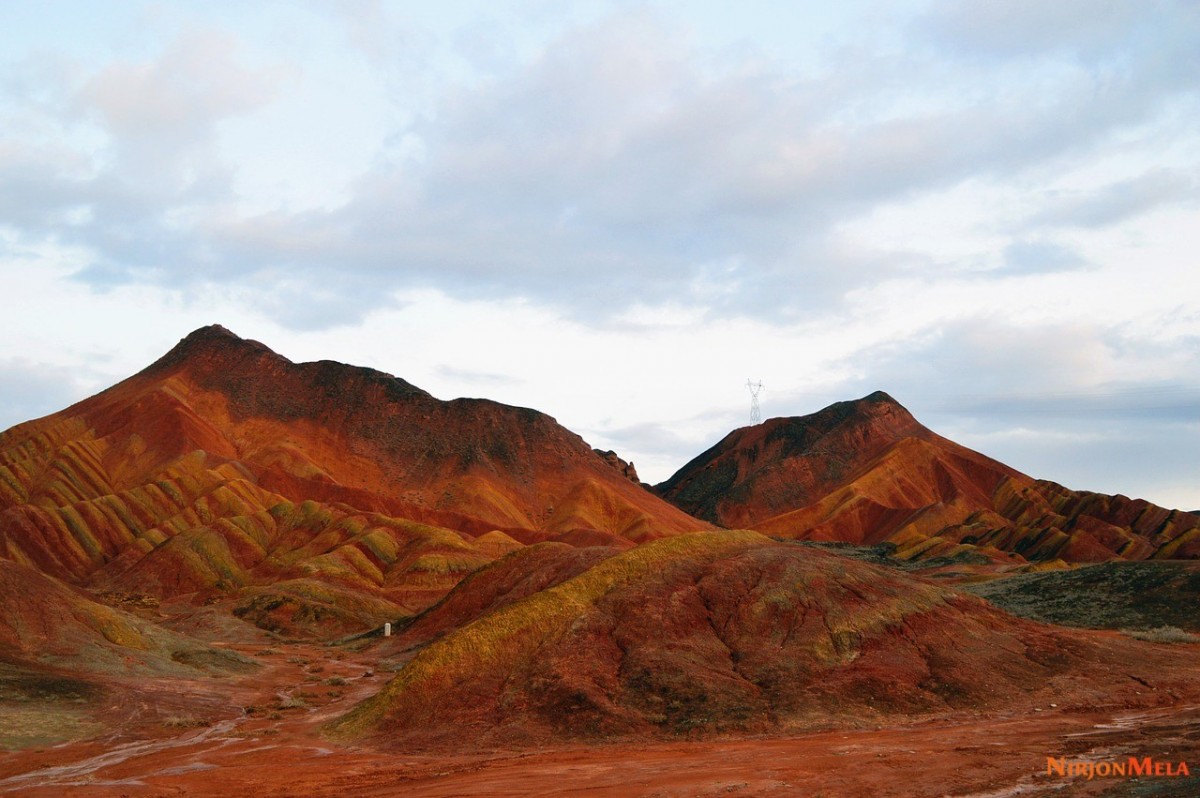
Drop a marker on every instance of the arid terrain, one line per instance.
(198, 564)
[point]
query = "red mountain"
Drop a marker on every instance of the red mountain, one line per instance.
(867, 472)
(224, 466)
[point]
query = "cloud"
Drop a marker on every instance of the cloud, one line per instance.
(1120, 201)
(1171, 402)
(156, 112)
(988, 367)
(1157, 461)
(622, 164)
(475, 377)
(126, 160)
(1040, 257)
(1014, 28)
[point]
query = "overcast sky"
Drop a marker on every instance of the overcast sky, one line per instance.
(618, 212)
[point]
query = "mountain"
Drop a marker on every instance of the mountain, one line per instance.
(316, 496)
(867, 472)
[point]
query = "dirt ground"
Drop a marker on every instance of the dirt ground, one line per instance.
(259, 735)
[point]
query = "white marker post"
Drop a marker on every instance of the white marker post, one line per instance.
(387, 630)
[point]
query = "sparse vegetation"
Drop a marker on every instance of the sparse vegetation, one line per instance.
(1117, 595)
(291, 702)
(42, 724)
(1163, 634)
(185, 722)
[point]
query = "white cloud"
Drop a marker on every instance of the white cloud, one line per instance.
(1120, 201)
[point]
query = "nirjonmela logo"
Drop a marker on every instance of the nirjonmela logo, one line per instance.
(1117, 768)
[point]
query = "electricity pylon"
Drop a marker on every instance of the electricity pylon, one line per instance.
(755, 411)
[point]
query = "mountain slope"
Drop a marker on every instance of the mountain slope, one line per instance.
(866, 472)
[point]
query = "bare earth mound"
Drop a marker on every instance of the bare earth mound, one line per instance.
(719, 633)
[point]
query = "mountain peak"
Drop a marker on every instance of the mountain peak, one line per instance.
(212, 342)
(215, 337)
(884, 414)
(874, 402)
(876, 397)
(796, 457)
(211, 331)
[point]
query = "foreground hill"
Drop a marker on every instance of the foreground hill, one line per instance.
(319, 496)
(866, 472)
(724, 632)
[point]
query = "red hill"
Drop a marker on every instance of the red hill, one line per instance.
(729, 632)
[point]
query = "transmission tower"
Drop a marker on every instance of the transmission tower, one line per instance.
(755, 411)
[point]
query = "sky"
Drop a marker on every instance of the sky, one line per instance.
(618, 213)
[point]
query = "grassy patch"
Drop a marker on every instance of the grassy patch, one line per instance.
(291, 702)
(1163, 634)
(38, 724)
(1116, 595)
